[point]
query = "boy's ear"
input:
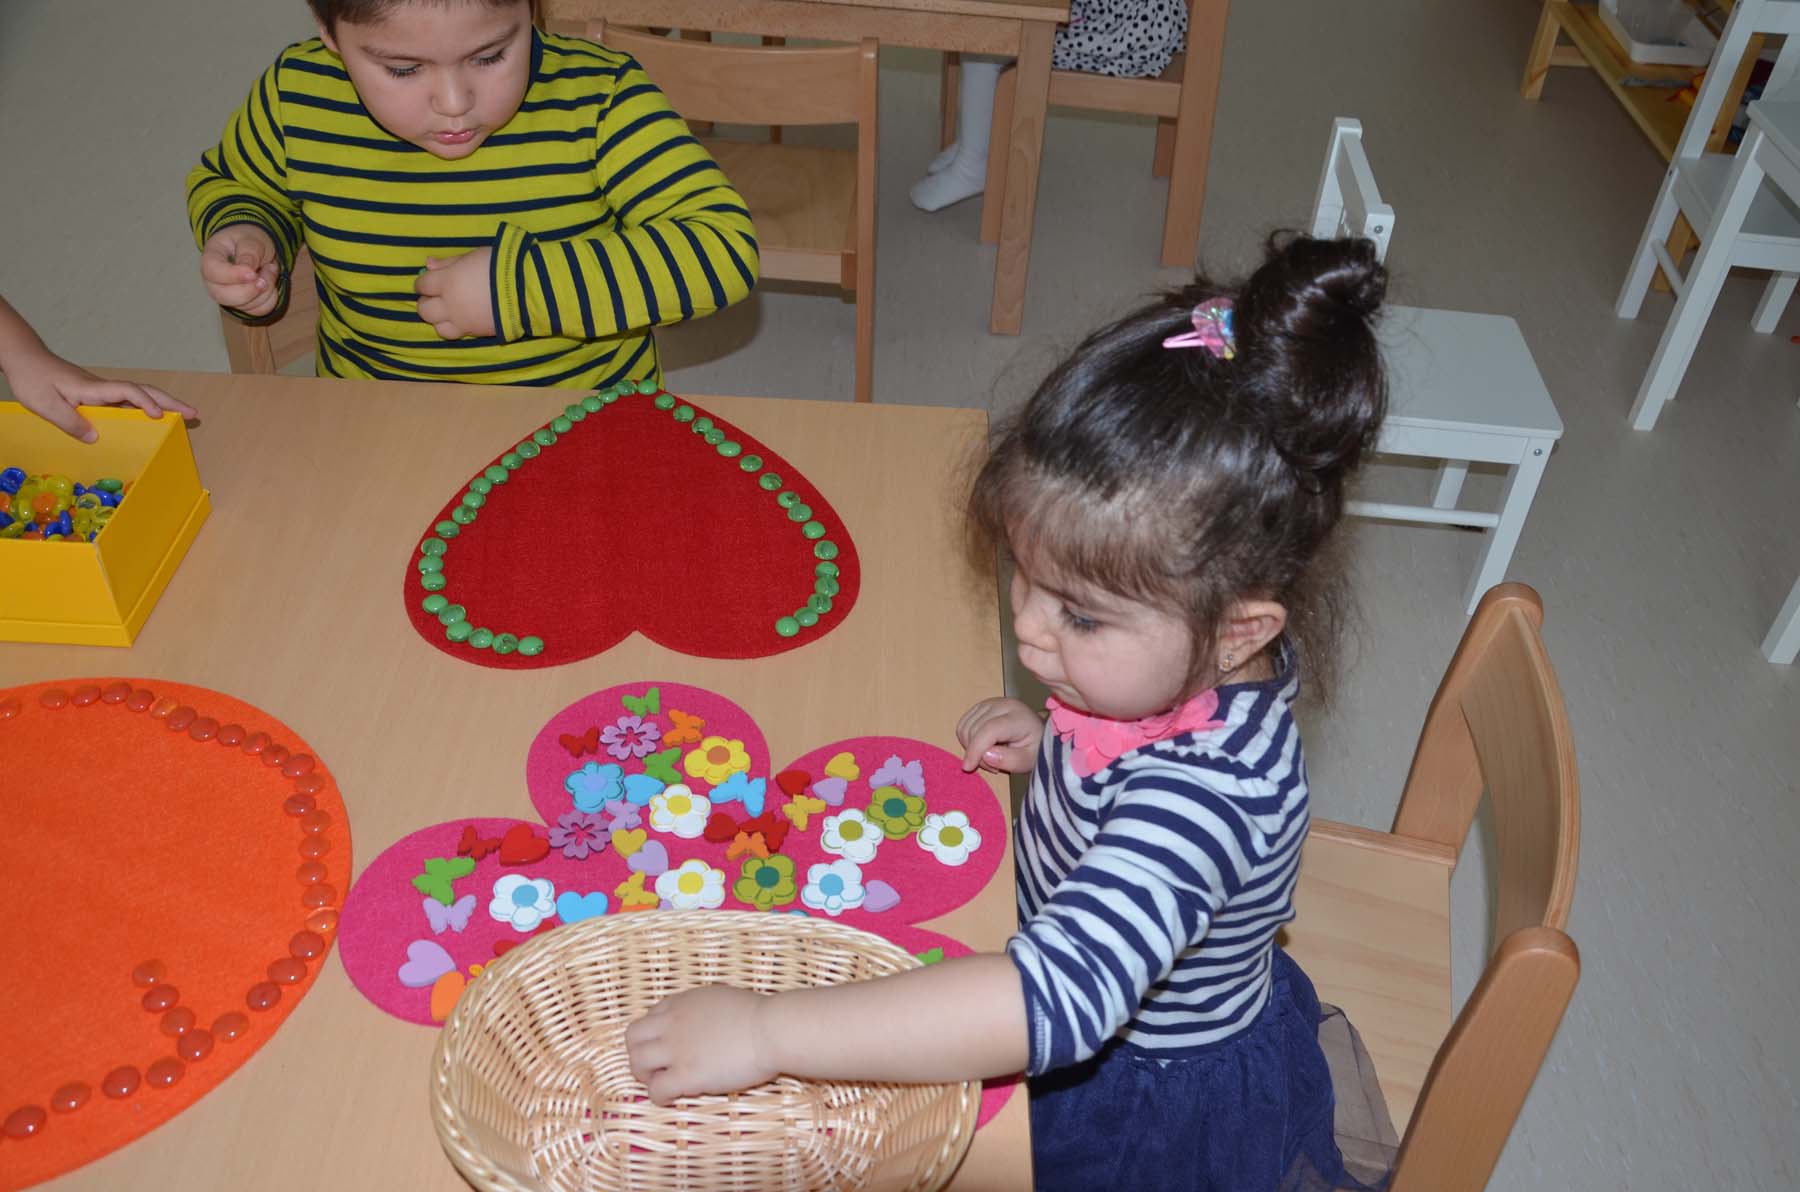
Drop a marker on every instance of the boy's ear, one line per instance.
(326, 37)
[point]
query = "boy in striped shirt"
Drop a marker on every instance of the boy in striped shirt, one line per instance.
(482, 201)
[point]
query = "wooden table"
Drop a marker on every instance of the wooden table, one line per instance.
(1022, 29)
(290, 599)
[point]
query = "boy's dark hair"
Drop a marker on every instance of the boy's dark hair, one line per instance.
(1186, 481)
(366, 12)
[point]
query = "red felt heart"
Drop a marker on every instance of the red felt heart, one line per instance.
(631, 520)
(793, 782)
(720, 828)
(522, 846)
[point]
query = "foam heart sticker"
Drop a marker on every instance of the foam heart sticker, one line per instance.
(883, 858)
(631, 511)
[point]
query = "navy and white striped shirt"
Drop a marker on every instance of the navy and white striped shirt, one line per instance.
(1151, 891)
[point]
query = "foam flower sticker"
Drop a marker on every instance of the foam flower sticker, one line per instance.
(579, 833)
(694, 885)
(631, 736)
(850, 835)
(595, 785)
(833, 888)
(522, 902)
(949, 837)
(741, 788)
(622, 814)
(766, 882)
(898, 813)
(715, 760)
(908, 776)
(680, 811)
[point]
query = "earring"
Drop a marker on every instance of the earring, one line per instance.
(1225, 667)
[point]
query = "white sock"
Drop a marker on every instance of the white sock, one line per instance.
(944, 158)
(964, 174)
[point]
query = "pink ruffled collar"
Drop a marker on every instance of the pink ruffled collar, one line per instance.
(1095, 742)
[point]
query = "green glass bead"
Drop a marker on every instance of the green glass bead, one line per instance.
(801, 512)
(701, 425)
(770, 481)
(819, 604)
(108, 484)
(644, 386)
(505, 643)
(751, 463)
(543, 436)
(665, 401)
(714, 437)
(462, 515)
(481, 639)
(830, 569)
(432, 546)
(511, 460)
(496, 474)
(684, 413)
(528, 450)
(482, 485)
(434, 602)
(825, 548)
(473, 500)
(787, 627)
(788, 500)
(575, 411)
(592, 403)
(825, 585)
(450, 614)
(807, 618)
(813, 529)
(433, 582)
(560, 426)
(531, 646)
(429, 564)
(446, 529)
(728, 449)
(459, 631)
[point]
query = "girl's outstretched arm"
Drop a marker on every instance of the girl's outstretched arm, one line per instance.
(965, 1020)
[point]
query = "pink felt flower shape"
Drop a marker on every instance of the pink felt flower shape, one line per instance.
(1095, 742)
(908, 776)
(578, 833)
(631, 736)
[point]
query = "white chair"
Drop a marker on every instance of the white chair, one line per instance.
(1462, 387)
(1783, 641)
(1739, 222)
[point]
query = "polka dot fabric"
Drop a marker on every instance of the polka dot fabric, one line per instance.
(1124, 38)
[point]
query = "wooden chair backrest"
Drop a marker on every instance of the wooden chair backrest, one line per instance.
(1496, 724)
(732, 84)
(1348, 203)
(266, 348)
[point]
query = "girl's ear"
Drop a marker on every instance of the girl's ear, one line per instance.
(1249, 626)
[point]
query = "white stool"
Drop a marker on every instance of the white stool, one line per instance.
(1783, 641)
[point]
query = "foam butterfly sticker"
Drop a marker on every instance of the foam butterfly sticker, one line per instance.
(588, 742)
(647, 704)
(908, 776)
(661, 766)
(439, 873)
(800, 808)
(475, 846)
(449, 918)
(686, 731)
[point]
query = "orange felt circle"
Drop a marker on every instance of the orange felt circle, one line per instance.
(129, 842)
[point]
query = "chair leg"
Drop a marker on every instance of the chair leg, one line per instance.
(1164, 161)
(949, 78)
(1515, 503)
(1543, 43)
(1701, 289)
(1783, 641)
(1193, 132)
(774, 129)
(1681, 242)
(1450, 477)
(1774, 302)
(1643, 261)
(993, 199)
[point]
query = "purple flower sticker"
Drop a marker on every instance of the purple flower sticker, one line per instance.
(631, 737)
(908, 776)
(578, 834)
(622, 814)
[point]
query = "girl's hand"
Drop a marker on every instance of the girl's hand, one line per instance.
(705, 1040)
(457, 296)
(52, 388)
(241, 269)
(1000, 734)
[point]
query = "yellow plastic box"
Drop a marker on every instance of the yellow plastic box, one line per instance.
(100, 593)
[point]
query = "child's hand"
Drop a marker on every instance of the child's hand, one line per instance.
(51, 387)
(241, 269)
(456, 296)
(701, 1041)
(1000, 734)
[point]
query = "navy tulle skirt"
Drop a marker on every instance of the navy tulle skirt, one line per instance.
(1252, 1113)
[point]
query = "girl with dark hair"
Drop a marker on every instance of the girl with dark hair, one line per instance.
(1167, 497)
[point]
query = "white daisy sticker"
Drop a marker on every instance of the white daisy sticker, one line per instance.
(678, 810)
(850, 835)
(522, 902)
(949, 837)
(834, 888)
(695, 885)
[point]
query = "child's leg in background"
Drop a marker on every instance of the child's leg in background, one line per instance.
(960, 172)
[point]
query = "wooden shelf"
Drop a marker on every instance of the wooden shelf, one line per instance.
(1655, 110)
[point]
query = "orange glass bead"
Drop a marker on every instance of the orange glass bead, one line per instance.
(9, 708)
(315, 822)
(306, 945)
(317, 897)
(314, 847)
(195, 1045)
(310, 873)
(298, 805)
(310, 783)
(322, 920)
(161, 709)
(24, 1121)
(287, 971)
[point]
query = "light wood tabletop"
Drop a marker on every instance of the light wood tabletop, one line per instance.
(291, 599)
(1021, 29)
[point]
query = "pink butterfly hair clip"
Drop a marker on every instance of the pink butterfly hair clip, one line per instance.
(1212, 330)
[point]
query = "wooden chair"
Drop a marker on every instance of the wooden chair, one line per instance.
(1182, 99)
(267, 348)
(1739, 222)
(1373, 926)
(1462, 387)
(814, 208)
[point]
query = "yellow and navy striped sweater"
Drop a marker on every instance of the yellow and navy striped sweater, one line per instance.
(606, 218)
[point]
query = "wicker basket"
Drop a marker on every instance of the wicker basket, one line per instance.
(531, 1091)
